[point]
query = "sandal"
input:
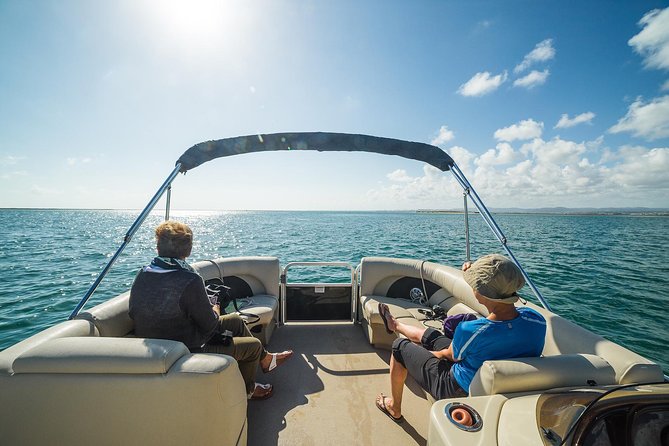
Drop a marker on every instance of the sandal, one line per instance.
(381, 405)
(261, 392)
(384, 312)
(277, 360)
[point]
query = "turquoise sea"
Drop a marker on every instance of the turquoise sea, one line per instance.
(607, 273)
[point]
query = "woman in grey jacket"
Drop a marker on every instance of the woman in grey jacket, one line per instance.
(168, 300)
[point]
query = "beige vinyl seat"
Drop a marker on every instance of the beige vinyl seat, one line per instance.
(89, 381)
(257, 276)
(572, 355)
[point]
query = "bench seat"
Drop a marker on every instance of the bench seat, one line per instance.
(255, 280)
(572, 355)
(89, 381)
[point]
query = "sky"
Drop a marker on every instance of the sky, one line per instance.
(541, 103)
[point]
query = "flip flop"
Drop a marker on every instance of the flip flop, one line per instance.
(276, 361)
(268, 389)
(384, 312)
(382, 407)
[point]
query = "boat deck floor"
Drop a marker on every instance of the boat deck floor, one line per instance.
(325, 394)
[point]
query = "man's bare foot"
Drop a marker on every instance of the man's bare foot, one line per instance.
(385, 405)
(273, 360)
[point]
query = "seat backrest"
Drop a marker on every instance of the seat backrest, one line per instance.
(111, 317)
(541, 373)
(565, 337)
(62, 330)
(378, 274)
(261, 274)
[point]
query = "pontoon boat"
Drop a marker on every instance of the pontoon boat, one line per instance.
(90, 381)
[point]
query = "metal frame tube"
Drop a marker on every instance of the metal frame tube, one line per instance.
(467, 187)
(128, 236)
(464, 195)
(284, 285)
(168, 199)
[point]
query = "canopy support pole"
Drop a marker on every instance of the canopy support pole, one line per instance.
(469, 190)
(464, 196)
(167, 202)
(128, 236)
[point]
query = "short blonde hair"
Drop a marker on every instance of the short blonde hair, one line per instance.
(174, 239)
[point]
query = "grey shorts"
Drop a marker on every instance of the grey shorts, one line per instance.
(432, 374)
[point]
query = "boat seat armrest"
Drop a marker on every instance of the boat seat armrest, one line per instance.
(111, 317)
(101, 355)
(542, 373)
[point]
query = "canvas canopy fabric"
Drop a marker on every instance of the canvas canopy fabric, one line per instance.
(330, 142)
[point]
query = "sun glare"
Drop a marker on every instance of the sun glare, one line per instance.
(195, 25)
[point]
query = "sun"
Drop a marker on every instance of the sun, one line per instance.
(195, 25)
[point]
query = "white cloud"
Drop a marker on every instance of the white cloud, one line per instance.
(482, 25)
(665, 86)
(461, 156)
(646, 120)
(526, 129)
(566, 122)
(652, 43)
(39, 190)
(399, 176)
(643, 168)
(542, 174)
(542, 52)
(555, 151)
(533, 79)
(445, 135)
(503, 153)
(10, 160)
(73, 161)
(482, 83)
(12, 175)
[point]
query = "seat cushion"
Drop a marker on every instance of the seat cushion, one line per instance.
(542, 373)
(261, 305)
(101, 355)
(399, 308)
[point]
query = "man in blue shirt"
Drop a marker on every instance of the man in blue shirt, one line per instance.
(445, 367)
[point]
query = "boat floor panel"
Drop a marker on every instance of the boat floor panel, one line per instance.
(325, 394)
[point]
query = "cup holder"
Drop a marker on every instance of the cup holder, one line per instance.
(463, 417)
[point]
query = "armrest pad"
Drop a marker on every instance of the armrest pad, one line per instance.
(101, 355)
(542, 373)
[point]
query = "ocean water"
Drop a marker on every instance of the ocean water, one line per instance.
(609, 274)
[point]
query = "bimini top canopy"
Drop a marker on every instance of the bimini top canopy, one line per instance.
(324, 142)
(330, 142)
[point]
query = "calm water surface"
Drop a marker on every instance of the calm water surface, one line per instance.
(607, 273)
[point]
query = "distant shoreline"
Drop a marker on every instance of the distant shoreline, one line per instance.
(623, 212)
(567, 212)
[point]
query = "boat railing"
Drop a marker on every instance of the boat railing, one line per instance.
(322, 289)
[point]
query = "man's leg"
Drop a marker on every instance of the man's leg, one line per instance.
(238, 327)
(398, 376)
(407, 358)
(414, 334)
(247, 352)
